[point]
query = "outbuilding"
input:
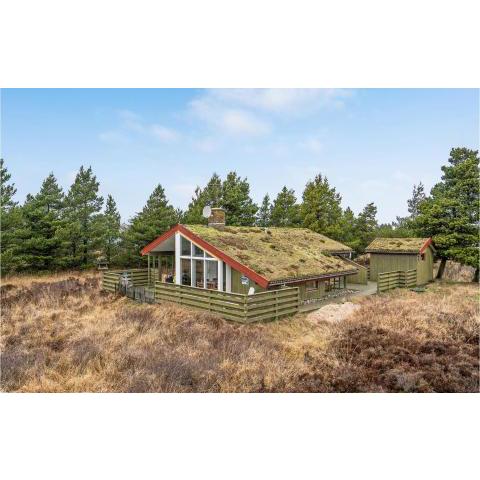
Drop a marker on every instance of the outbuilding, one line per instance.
(394, 254)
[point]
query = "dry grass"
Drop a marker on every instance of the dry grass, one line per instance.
(395, 245)
(62, 334)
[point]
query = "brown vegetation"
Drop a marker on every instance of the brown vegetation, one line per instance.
(63, 334)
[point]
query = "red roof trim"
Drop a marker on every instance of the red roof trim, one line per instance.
(159, 240)
(426, 245)
(262, 281)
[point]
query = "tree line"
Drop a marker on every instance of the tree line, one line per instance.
(55, 230)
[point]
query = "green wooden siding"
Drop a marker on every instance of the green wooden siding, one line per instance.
(237, 286)
(311, 294)
(391, 262)
(425, 268)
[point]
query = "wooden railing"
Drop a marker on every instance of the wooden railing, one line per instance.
(361, 276)
(264, 306)
(136, 277)
(397, 279)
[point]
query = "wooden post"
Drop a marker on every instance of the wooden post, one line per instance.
(228, 283)
(220, 275)
(178, 269)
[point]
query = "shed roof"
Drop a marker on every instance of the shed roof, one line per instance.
(399, 245)
(277, 253)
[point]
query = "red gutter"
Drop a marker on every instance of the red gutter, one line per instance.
(426, 245)
(262, 281)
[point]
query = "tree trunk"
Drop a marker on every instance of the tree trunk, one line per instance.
(475, 277)
(441, 268)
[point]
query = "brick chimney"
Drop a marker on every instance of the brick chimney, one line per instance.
(217, 218)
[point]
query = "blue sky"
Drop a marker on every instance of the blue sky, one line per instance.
(373, 145)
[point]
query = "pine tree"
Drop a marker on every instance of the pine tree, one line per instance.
(365, 227)
(321, 210)
(418, 196)
(39, 245)
(348, 227)
(210, 195)
(81, 232)
(451, 214)
(285, 210)
(264, 212)
(157, 217)
(10, 221)
(239, 207)
(110, 227)
(7, 190)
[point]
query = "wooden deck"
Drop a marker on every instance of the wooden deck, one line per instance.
(263, 306)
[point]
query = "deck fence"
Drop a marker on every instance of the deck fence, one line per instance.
(396, 279)
(263, 306)
(361, 276)
(137, 277)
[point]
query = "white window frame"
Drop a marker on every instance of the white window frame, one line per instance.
(192, 258)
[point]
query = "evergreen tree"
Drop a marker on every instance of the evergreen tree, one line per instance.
(365, 227)
(285, 210)
(210, 195)
(10, 220)
(451, 214)
(157, 217)
(81, 232)
(321, 210)
(418, 196)
(348, 227)
(239, 207)
(7, 190)
(264, 212)
(110, 227)
(39, 245)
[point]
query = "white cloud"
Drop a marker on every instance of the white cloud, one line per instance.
(206, 145)
(132, 122)
(282, 100)
(113, 137)
(232, 121)
(163, 134)
(312, 144)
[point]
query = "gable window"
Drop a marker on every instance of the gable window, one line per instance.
(198, 268)
(186, 246)
(197, 251)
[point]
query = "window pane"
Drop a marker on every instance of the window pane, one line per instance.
(185, 246)
(224, 277)
(212, 274)
(186, 274)
(198, 273)
(197, 251)
(208, 255)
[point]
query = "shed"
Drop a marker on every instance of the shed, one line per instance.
(393, 254)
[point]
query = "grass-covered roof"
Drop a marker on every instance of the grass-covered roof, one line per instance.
(397, 245)
(277, 253)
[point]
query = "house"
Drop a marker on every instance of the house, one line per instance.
(393, 254)
(249, 259)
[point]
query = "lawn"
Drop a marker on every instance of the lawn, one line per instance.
(60, 333)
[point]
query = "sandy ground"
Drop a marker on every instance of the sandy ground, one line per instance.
(333, 313)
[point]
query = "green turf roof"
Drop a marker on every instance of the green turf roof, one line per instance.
(277, 253)
(396, 245)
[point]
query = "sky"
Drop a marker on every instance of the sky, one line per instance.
(372, 144)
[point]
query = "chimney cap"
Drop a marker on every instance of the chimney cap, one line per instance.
(217, 217)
